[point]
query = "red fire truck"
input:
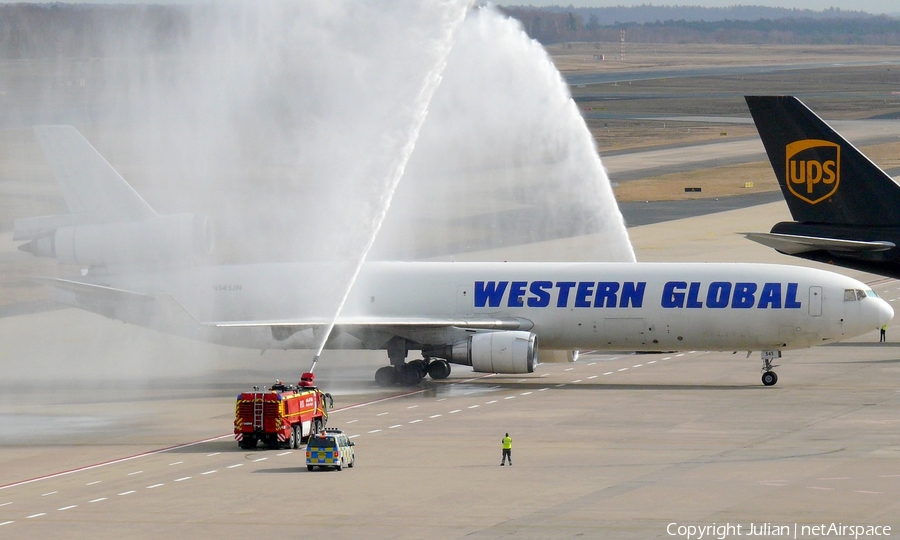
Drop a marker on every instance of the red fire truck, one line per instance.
(285, 415)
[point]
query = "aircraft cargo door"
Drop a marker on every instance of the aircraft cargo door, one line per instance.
(815, 301)
(624, 332)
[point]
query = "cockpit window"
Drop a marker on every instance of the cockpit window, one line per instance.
(853, 295)
(870, 293)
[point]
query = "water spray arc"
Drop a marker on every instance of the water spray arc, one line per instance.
(398, 166)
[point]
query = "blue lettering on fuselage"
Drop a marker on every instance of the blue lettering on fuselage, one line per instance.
(630, 294)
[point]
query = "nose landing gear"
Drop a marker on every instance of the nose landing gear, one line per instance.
(769, 378)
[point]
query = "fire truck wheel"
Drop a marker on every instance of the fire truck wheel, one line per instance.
(247, 443)
(292, 443)
(385, 376)
(309, 467)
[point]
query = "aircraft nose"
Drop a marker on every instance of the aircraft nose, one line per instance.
(885, 312)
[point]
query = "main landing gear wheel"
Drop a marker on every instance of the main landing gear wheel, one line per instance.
(439, 369)
(410, 375)
(769, 378)
(386, 376)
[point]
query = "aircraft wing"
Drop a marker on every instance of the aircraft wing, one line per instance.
(793, 244)
(422, 330)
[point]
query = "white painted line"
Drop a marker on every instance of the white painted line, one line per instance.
(510, 397)
(545, 375)
(491, 401)
(381, 414)
(521, 380)
(284, 453)
(869, 492)
(36, 515)
(415, 421)
(93, 483)
(454, 411)
(890, 476)
(134, 473)
(183, 478)
(154, 486)
(176, 463)
(677, 355)
(51, 493)
(260, 459)
(395, 426)
(213, 454)
(667, 358)
(435, 415)
(542, 389)
(592, 363)
(209, 472)
(608, 373)
(637, 365)
(353, 436)
(576, 380)
(472, 407)
(592, 377)
(836, 478)
(773, 484)
(375, 431)
(127, 492)
(6, 523)
(820, 488)
(569, 369)
(440, 400)
(100, 499)
(235, 466)
(6, 503)
(525, 393)
(652, 362)
(412, 406)
(350, 422)
(559, 385)
(71, 506)
(623, 369)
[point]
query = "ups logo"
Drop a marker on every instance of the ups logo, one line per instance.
(813, 169)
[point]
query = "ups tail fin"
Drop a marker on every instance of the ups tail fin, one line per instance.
(89, 184)
(823, 177)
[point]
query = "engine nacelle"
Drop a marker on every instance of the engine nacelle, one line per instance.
(496, 352)
(162, 239)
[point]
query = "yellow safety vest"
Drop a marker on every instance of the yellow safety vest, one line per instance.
(507, 443)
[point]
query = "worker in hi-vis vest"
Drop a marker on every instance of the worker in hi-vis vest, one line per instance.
(507, 450)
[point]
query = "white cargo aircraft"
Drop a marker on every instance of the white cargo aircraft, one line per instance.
(490, 316)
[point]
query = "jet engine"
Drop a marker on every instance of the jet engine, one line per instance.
(161, 239)
(494, 352)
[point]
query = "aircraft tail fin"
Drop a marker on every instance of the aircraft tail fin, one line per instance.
(823, 177)
(88, 183)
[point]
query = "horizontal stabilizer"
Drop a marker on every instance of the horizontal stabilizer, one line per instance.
(793, 244)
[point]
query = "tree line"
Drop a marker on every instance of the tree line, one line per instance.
(93, 30)
(555, 25)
